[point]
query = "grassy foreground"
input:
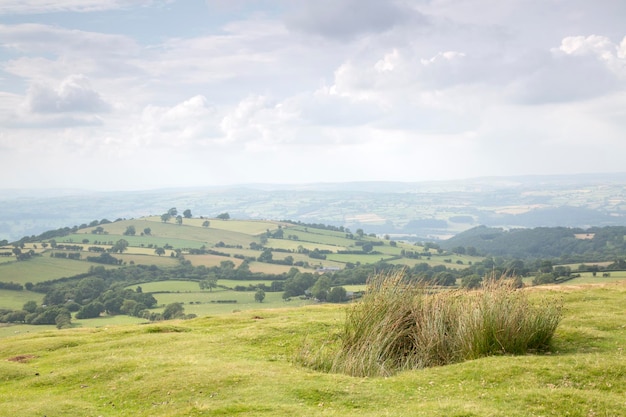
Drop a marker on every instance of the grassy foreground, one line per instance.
(241, 364)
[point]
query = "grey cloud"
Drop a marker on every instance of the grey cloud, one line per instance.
(54, 121)
(346, 19)
(565, 78)
(9, 7)
(37, 38)
(73, 95)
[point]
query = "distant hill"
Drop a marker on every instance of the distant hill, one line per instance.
(409, 210)
(574, 244)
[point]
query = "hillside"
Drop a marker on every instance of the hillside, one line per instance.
(242, 364)
(104, 270)
(415, 210)
(567, 244)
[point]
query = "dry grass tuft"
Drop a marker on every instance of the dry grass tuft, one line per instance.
(401, 325)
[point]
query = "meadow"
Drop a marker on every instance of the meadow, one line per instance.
(242, 363)
(42, 268)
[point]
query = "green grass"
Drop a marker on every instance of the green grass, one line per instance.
(14, 300)
(588, 278)
(171, 286)
(294, 244)
(187, 235)
(42, 268)
(137, 241)
(241, 364)
(365, 258)
(232, 283)
(204, 303)
(139, 259)
(248, 227)
(106, 321)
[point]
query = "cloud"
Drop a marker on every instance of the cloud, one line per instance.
(73, 95)
(600, 47)
(349, 18)
(32, 38)
(9, 7)
(582, 67)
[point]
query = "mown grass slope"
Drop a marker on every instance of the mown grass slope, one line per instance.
(241, 364)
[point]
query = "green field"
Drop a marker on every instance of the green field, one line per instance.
(14, 300)
(205, 303)
(588, 278)
(170, 286)
(42, 268)
(232, 283)
(137, 241)
(242, 364)
(107, 321)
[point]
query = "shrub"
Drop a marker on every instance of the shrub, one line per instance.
(401, 325)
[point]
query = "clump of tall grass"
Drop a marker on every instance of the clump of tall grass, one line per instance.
(402, 325)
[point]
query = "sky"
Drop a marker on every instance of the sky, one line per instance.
(144, 94)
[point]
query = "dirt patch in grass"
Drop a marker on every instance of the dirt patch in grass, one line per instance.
(21, 358)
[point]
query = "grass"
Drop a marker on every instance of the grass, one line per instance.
(241, 364)
(42, 268)
(14, 300)
(204, 303)
(169, 286)
(248, 227)
(399, 326)
(135, 241)
(139, 259)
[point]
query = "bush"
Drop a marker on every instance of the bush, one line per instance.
(400, 325)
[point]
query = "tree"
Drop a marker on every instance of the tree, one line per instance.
(30, 306)
(471, 281)
(444, 278)
(265, 256)
(368, 247)
(147, 231)
(119, 246)
(187, 214)
(63, 320)
(210, 282)
(130, 231)
(173, 311)
(359, 233)
(336, 295)
(545, 278)
(179, 220)
(172, 212)
(165, 217)
(259, 296)
(223, 216)
(206, 223)
(90, 311)
(321, 287)
(159, 251)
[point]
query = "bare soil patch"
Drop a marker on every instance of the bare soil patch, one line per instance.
(21, 358)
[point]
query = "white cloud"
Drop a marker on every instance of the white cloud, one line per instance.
(190, 124)
(613, 55)
(73, 95)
